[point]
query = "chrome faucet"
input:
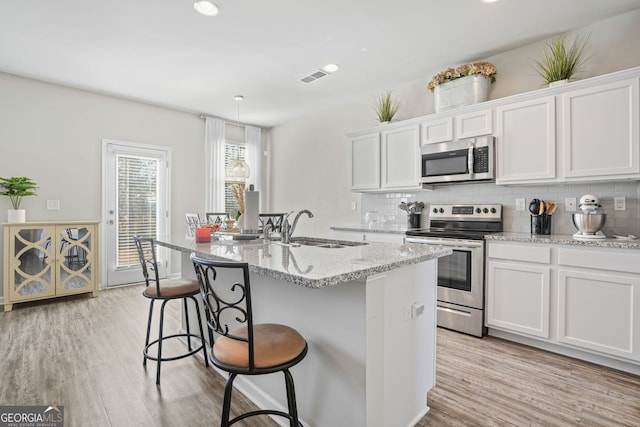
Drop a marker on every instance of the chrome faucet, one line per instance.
(287, 230)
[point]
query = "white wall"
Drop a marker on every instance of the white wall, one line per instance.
(54, 135)
(310, 161)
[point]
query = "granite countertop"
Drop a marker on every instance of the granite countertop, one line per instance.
(393, 229)
(565, 239)
(309, 266)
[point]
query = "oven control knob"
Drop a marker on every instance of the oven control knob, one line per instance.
(435, 210)
(478, 210)
(493, 210)
(485, 210)
(441, 210)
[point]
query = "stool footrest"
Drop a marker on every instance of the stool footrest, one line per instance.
(181, 356)
(262, 412)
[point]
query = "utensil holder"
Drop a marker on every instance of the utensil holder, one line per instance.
(541, 224)
(413, 220)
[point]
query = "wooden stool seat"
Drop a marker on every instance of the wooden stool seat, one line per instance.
(274, 344)
(173, 288)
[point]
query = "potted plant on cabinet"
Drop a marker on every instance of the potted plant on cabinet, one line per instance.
(464, 85)
(16, 188)
(386, 108)
(562, 59)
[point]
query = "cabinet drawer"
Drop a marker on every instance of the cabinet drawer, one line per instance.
(621, 260)
(524, 253)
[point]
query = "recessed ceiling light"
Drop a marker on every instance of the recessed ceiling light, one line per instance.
(489, 1)
(330, 68)
(205, 7)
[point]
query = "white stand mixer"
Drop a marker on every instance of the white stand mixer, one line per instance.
(591, 220)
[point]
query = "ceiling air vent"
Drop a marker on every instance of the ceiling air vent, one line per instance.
(314, 76)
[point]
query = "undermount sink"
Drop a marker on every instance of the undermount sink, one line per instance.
(325, 243)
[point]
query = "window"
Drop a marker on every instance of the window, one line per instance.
(232, 150)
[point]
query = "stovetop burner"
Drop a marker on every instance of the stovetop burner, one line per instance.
(461, 221)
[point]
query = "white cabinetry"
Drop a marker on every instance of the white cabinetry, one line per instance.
(580, 301)
(386, 160)
(401, 158)
(458, 126)
(599, 301)
(585, 131)
(518, 288)
(365, 162)
(600, 127)
(526, 141)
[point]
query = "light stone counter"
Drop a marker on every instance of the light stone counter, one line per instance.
(310, 266)
(367, 312)
(565, 239)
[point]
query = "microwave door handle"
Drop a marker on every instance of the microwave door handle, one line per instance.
(470, 160)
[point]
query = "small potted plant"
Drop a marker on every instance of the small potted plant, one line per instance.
(562, 59)
(386, 108)
(16, 188)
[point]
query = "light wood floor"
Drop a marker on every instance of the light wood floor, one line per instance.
(85, 353)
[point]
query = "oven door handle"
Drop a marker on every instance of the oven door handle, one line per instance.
(454, 244)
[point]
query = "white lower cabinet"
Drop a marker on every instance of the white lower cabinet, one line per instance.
(518, 290)
(599, 301)
(583, 299)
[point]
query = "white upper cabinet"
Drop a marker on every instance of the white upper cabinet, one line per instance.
(401, 158)
(526, 141)
(600, 131)
(386, 160)
(457, 126)
(365, 162)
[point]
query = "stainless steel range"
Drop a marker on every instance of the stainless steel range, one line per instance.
(461, 275)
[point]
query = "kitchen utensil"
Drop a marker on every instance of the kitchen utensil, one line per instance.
(542, 206)
(551, 208)
(534, 206)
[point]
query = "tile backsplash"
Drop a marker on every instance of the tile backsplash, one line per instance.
(385, 205)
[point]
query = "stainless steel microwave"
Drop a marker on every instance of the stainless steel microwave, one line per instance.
(463, 160)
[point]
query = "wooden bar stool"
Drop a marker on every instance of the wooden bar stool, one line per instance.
(242, 347)
(166, 291)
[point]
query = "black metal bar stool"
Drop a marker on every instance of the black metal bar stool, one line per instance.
(166, 291)
(242, 347)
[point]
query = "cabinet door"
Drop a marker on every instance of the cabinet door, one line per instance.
(365, 162)
(438, 130)
(401, 157)
(477, 123)
(75, 262)
(599, 312)
(600, 126)
(526, 141)
(518, 298)
(31, 259)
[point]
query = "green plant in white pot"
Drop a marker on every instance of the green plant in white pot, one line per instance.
(562, 59)
(386, 108)
(16, 188)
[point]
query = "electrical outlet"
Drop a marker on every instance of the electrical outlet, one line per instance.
(354, 205)
(570, 204)
(53, 205)
(520, 204)
(619, 203)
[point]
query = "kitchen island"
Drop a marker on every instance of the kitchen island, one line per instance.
(367, 312)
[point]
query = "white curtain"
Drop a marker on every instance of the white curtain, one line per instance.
(253, 144)
(214, 138)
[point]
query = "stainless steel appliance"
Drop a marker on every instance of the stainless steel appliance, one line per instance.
(461, 276)
(591, 220)
(458, 161)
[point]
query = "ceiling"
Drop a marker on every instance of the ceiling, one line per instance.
(163, 52)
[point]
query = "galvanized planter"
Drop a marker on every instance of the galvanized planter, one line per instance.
(466, 90)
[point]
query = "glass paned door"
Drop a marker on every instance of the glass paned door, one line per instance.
(75, 267)
(136, 188)
(31, 262)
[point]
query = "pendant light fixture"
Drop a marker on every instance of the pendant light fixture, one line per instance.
(238, 170)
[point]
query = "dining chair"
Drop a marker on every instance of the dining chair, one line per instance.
(193, 222)
(241, 347)
(216, 217)
(165, 291)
